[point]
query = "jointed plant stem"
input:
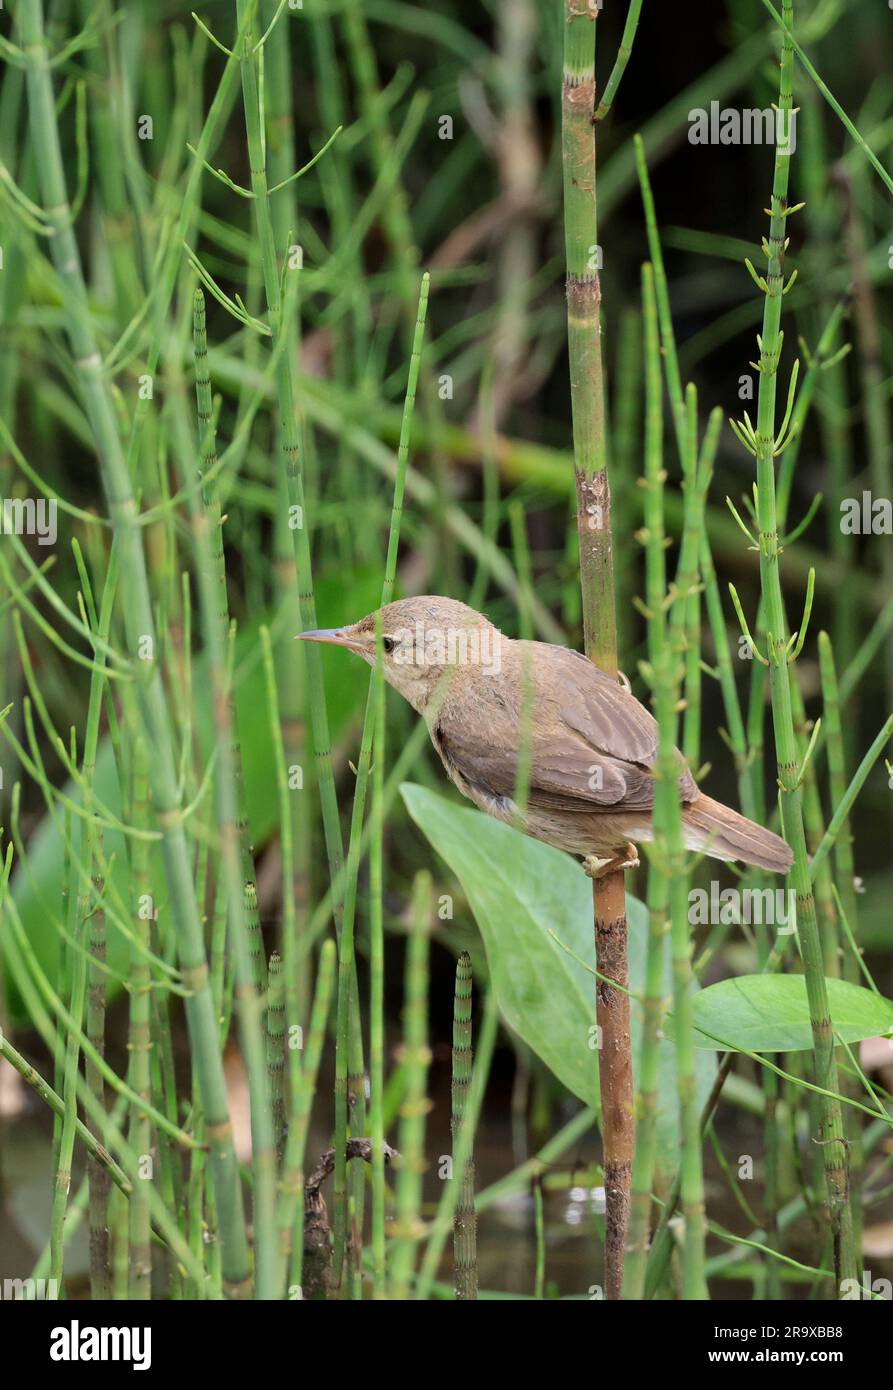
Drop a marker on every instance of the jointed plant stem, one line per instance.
(141, 1033)
(652, 537)
(376, 978)
(597, 581)
(141, 635)
(291, 462)
(290, 1208)
(440, 1228)
(41, 1088)
(833, 1146)
(346, 961)
(411, 1164)
(245, 944)
(465, 1272)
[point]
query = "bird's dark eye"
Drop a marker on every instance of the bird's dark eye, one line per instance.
(388, 643)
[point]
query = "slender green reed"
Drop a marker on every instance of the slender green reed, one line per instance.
(245, 943)
(845, 897)
(295, 827)
(293, 971)
(99, 1187)
(65, 1149)
(785, 22)
(276, 1050)
(290, 1206)
(376, 979)
(465, 1271)
(821, 213)
(627, 445)
(539, 1224)
(765, 444)
(411, 1165)
(87, 983)
(290, 452)
(442, 1226)
(42, 1088)
(277, 306)
(652, 538)
(346, 960)
(140, 1040)
(26, 978)
(845, 867)
(213, 524)
(664, 677)
(395, 206)
(141, 636)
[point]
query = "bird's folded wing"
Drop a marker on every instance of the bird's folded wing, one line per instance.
(566, 773)
(593, 744)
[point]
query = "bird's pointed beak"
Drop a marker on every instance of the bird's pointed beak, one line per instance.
(336, 636)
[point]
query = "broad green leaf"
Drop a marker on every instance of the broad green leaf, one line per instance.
(519, 891)
(770, 1013)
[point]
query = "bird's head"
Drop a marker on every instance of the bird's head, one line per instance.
(422, 640)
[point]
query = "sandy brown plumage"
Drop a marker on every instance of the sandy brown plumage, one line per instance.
(593, 744)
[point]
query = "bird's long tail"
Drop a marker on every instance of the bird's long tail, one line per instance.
(722, 833)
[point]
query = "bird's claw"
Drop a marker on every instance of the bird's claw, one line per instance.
(596, 868)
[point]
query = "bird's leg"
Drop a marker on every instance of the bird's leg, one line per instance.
(597, 868)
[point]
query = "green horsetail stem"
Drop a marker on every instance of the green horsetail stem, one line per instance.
(294, 972)
(42, 1088)
(833, 1147)
(140, 1039)
(290, 1206)
(465, 1269)
(276, 1050)
(26, 956)
(377, 977)
(833, 404)
(141, 635)
(410, 1164)
(212, 524)
(845, 875)
(290, 433)
(69, 1075)
(652, 538)
(88, 984)
(25, 973)
(440, 1229)
(664, 673)
(626, 448)
(290, 453)
(93, 929)
(843, 844)
(539, 1228)
(246, 945)
(295, 831)
(745, 743)
(347, 986)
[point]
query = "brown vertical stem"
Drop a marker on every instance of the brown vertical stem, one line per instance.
(615, 1070)
(612, 1007)
(609, 902)
(587, 384)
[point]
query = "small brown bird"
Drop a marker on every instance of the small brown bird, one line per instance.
(592, 745)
